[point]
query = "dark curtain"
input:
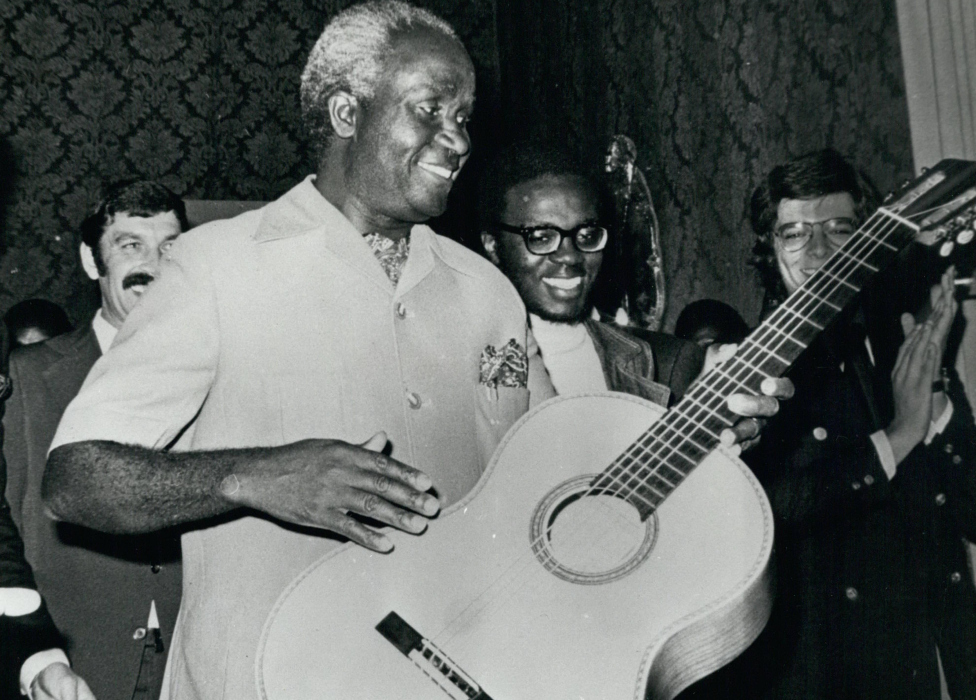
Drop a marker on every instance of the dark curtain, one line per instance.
(203, 95)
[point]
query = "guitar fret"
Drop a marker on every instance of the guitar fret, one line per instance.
(901, 220)
(844, 254)
(686, 434)
(842, 281)
(804, 289)
(720, 372)
(882, 242)
(705, 408)
(783, 335)
(803, 318)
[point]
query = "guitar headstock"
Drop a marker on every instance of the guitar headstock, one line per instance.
(941, 203)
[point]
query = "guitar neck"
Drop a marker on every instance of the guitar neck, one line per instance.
(653, 466)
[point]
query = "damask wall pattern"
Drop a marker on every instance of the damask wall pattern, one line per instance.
(203, 94)
(199, 94)
(714, 94)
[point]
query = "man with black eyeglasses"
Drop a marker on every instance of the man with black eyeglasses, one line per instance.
(542, 222)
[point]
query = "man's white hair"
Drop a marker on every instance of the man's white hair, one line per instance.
(349, 56)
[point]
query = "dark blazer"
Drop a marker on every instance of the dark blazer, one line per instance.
(872, 574)
(23, 635)
(655, 366)
(98, 587)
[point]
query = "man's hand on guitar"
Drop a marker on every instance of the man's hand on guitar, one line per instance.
(317, 483)
(753, 409)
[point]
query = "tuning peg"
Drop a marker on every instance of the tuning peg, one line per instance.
(946, 248)
(966, 235)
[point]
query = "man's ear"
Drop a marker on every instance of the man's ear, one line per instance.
(88, 261)
(490, 244)
(344, 113)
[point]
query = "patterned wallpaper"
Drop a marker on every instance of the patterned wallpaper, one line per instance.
(714, 94)
(203, 94)
(200, 94)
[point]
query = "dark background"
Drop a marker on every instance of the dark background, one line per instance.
(203, 95)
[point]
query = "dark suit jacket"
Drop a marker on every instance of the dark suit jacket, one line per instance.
(98, 587)
(23, 635)
(872, 573)
(643, 363)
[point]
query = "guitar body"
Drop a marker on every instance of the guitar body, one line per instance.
(534, 588)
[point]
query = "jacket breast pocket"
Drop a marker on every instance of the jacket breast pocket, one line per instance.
(496, 410)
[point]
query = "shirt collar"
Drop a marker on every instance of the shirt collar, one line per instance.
(105, 332)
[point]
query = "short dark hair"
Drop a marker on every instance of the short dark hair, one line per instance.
(135, 198)
(705, 313)
(809, 176)
(42, 314)
(524, 161)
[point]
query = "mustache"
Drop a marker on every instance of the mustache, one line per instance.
(136, 278)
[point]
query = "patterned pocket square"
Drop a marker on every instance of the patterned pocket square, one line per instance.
(506, 367)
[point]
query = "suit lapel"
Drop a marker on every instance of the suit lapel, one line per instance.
(846, 343)
(626, 367)
(79, 350)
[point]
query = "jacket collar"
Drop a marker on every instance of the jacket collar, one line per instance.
(78, 351)
(303, 210)
(628, 364)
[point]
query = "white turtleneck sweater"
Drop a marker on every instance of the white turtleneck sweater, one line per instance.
(569, 356)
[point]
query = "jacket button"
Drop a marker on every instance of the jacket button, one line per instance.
(868, 479)
(940, 499)
(956, 459)
(948, 447)
(413, 400)
(820, 433)
(956, 577)
(856, 485)
(401, 310)
(851, 593)
(155, 568)
(139, 633)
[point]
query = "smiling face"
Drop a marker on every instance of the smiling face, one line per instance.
(131, 248)
(796, 266)
(557, 286)
(411, 139)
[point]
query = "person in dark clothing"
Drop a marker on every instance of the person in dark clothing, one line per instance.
(709, 321)
(871, 475)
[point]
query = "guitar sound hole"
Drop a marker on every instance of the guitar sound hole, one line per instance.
(587, 537)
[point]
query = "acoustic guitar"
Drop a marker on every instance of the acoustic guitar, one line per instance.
(610, 550)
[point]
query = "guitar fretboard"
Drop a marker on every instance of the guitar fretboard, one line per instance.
(653, 466)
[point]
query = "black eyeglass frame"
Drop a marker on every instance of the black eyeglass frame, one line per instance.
(573, 233)
(807, 228)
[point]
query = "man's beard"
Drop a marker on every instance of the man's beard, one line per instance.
(584, 313)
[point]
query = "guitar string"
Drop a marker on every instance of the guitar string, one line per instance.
(730, 374)
(875, 243)
(529, 561)
(872, 242)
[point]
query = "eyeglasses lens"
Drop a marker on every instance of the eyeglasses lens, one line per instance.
(794, 237)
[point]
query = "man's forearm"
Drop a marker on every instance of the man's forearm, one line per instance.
(127, 489)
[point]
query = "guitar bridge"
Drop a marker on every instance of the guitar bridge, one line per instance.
(435, 664)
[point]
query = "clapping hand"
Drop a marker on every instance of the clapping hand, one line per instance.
(917, 369)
